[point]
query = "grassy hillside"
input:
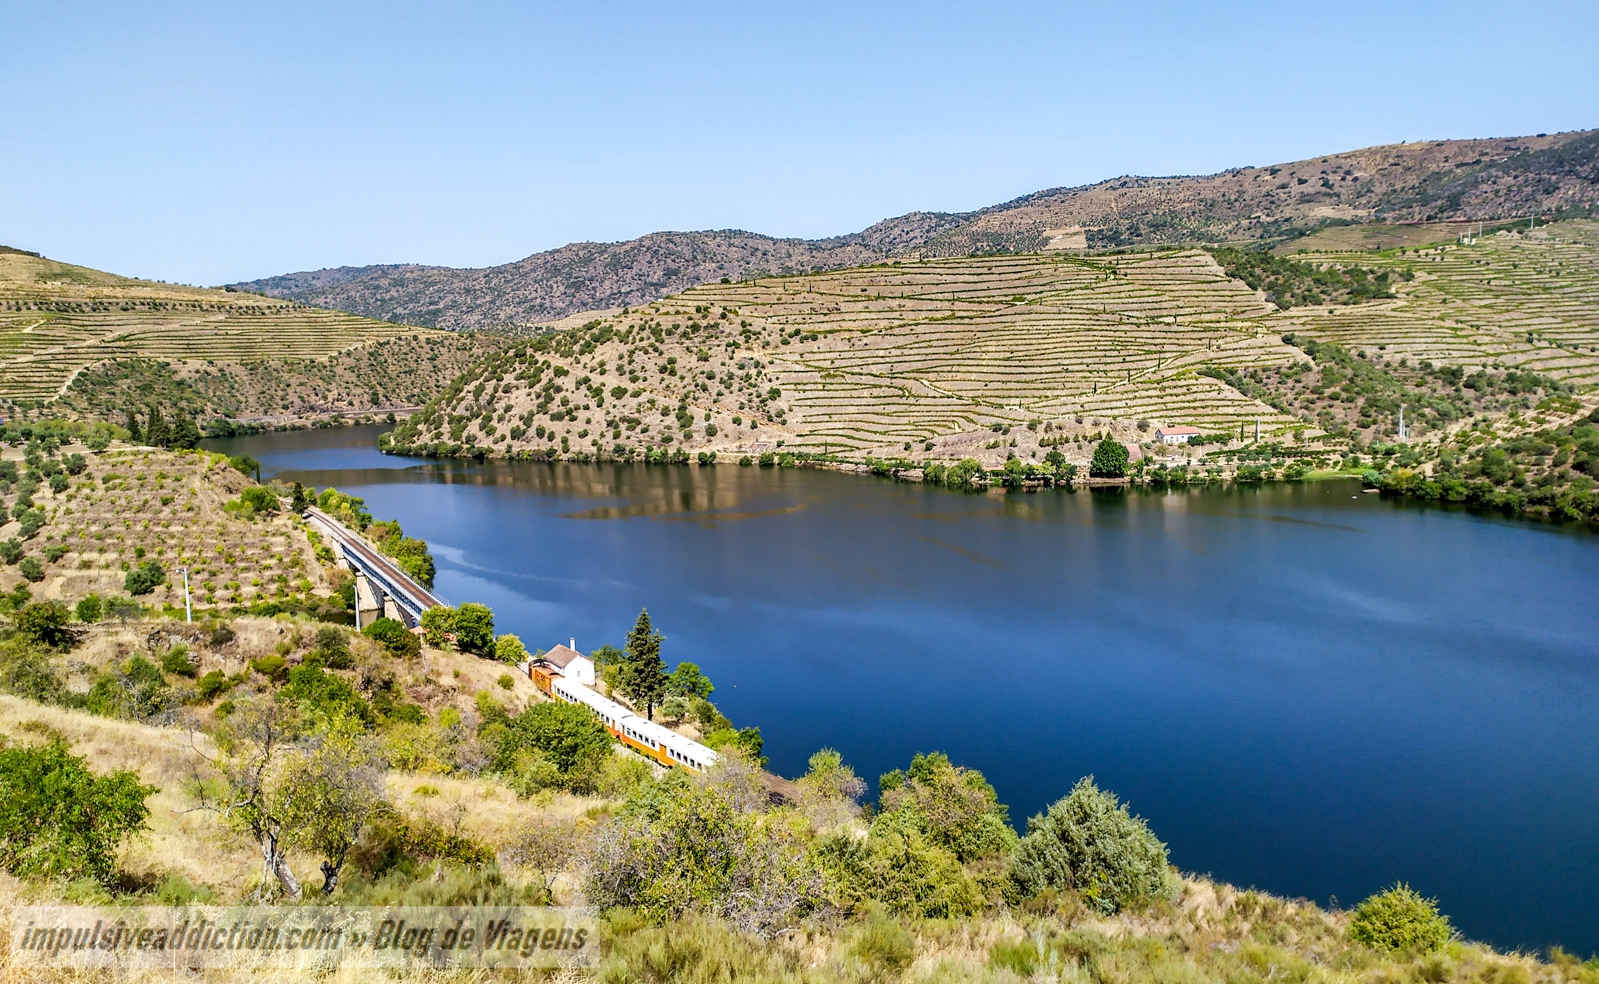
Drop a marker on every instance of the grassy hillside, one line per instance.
(1425, 182)
(996, 357)
(94, 340)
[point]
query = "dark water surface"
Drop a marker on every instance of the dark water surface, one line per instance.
(1302, 688)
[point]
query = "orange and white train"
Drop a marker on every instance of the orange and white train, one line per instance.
(663, 745)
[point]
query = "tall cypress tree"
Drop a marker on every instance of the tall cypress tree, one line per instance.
(135, 432)
(156, 431)
(644, 675)
(185, 433)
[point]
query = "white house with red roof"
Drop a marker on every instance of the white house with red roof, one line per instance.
(562, 661)
(1176, 435)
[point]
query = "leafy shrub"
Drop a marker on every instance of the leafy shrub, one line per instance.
(145, 578)
(748, 740)
(506, 681)
(1400, 919)
(955, 807)
(31, 569)
(1089, 843)
(324, 694)
(55, 552)
(566, 734)
(10, 550)
(394, 637)
(677, 844)
(332, 647)
(272, 666)
(61, 820)
(1110, 460)
(213, 684)
(137, 691)
(58, 483)
(177, 661)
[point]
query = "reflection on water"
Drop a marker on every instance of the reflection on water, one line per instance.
(1302, 687)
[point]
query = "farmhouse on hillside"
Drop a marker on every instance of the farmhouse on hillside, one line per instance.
(1176, 435)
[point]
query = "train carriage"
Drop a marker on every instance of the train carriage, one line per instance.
(660, 744)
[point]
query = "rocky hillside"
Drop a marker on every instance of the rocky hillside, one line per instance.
(586, 276)
(1428, 181)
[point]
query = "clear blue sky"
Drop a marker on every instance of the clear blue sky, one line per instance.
(206, 143)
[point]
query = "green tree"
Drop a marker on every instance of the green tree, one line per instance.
(156, 431)
(1400, 919)
(30, 568)
(145, 578)
(1110, 460)
(1088, 842)
(260, 499)
(301, 501)
(60, 819)
(185, 434)
(11, 550)
(474, 629)
(135, 432)
(339, 773)
(688, 681)
(90, 608)
(45, 622)
(123, 609)
(509, 649)
(438, 624)
(643, 677)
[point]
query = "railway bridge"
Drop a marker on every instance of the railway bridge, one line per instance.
(382, 589)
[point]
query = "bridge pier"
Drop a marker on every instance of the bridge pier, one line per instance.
(370, 602)
(394, 611)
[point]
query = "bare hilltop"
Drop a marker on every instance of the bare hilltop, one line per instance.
(1429, 181)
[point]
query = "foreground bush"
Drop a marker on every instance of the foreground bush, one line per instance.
(1400, 919)
(59, 820)
(1090, 844)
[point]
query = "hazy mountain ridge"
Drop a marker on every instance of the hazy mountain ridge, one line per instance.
(1430, 180)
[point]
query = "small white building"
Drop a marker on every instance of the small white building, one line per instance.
(1176, 435)
(571, 664)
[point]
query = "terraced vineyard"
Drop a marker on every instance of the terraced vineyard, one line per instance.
(1525, 301)
(991, 357)
(878, 360)
(57, 320)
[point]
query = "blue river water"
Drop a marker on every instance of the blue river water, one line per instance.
(1302, 688)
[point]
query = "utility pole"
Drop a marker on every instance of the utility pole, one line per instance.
(188, 609)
